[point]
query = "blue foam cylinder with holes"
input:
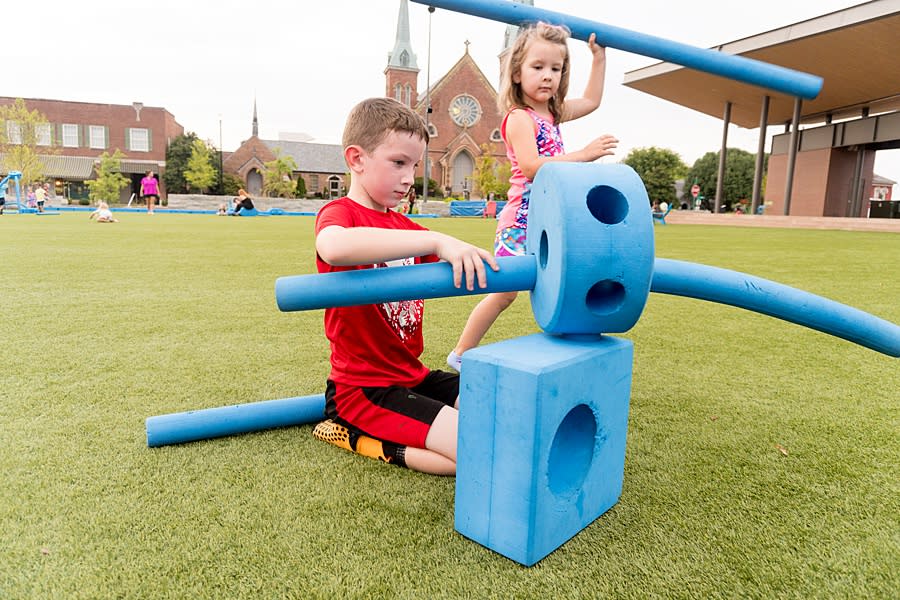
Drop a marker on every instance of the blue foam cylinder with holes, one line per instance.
(740, 68)
(590, 229)
(194, 425)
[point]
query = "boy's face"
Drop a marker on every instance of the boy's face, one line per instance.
(382, 178)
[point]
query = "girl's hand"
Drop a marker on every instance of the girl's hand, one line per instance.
(467, 260)
(602, 146)
(597, 50)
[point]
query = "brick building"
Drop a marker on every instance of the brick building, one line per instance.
(79, 132)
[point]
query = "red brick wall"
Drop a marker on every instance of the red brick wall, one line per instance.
(116, 117)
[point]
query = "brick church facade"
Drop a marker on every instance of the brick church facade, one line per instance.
(464, 124)
(464, 121)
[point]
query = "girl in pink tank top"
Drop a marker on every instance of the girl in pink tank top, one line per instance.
(533, 96)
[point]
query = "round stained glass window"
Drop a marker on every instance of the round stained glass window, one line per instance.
(465, 110)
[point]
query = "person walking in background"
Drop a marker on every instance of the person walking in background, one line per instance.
(40, 196)
(533, 96)
(150, 190)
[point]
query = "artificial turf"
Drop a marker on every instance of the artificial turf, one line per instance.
(762, 458)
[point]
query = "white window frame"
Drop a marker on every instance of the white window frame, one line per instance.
(14, 132)
(135, 143)
(96, 137)
(69, 135)
(43, 134)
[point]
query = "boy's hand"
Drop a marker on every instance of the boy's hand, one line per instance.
(465, 259)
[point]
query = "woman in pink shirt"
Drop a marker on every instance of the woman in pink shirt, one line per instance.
(150, 190)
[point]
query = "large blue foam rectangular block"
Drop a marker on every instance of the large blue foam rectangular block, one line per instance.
(542, 427)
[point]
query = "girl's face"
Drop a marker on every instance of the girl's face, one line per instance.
(541, 72)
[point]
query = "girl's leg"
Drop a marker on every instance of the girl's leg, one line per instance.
(481, 319)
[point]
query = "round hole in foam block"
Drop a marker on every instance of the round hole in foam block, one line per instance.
(572, 450)
(591, 230)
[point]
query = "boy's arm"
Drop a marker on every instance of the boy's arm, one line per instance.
(342, 246)
(593, 91)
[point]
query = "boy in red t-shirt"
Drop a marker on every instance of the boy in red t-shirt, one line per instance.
(380, 399)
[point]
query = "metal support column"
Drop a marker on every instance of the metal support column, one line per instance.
(723, 152)
(792, 154)
(760, 154)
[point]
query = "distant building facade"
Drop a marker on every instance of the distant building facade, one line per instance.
(79, 132)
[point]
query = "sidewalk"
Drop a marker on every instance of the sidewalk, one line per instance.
(690, 217)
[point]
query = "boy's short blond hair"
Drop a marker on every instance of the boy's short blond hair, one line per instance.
(370, 121)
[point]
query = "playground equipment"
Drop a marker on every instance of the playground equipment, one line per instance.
(781, 79)
(543, 418)
(15, 177)
(538, 464)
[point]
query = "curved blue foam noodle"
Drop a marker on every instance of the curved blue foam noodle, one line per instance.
(774, 77)
(194, 425)
(375, 286)
(775, 300)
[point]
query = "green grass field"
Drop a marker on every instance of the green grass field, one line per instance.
(762, 457)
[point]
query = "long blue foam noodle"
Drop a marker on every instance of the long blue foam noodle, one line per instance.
(375, 286)
(703, 282)
(788, 81)
(194, 425)
(519, 273)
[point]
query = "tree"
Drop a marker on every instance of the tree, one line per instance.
(277, 181)
(300, 190)
(109, 181)
(658, 168)
(489, 176)
(177, 156)
(22, 133)
(231, 183)
(739, 168)
(200, 173)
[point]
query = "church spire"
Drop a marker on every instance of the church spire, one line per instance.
(512, 32)
(402, 56)
(255, 120)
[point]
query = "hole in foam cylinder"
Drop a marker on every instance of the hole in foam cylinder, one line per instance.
(605, 297)
(572, 450)
(607, 204)
(544, 250)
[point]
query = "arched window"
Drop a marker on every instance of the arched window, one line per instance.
(398, 89)
(408, 101)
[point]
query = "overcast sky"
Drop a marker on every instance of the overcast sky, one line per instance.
(307, 64)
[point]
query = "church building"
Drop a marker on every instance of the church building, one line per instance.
(460, 109)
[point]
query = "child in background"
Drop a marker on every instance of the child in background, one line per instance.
(103, 214)
(381, 401)
(533, 96)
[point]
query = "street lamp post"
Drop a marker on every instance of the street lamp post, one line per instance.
(221, 162)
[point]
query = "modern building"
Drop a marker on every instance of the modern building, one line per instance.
(822, 165)
(76, 134)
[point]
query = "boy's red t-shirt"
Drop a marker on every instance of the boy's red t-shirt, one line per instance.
(375, 345)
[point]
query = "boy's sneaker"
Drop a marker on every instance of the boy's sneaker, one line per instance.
(454, 361)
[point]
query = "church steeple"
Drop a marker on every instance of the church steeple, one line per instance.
(402, 72)
(402, 56)
(511, 33)
(255, 120)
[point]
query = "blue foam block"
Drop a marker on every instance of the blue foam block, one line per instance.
(542, 428)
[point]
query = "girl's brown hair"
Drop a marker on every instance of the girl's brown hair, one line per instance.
(511, 94)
